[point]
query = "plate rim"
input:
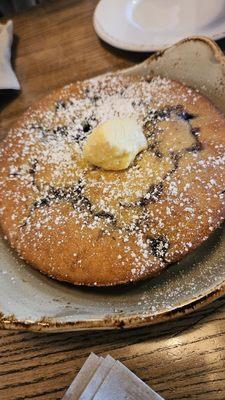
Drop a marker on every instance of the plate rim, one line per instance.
(115, 42)
(121, 322)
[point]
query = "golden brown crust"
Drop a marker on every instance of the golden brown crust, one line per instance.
(87, 226)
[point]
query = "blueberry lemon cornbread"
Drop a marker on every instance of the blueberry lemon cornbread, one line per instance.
(84, 204)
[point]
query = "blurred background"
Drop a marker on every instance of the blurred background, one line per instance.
(8, 7)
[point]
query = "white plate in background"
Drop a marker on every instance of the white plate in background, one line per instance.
(150, 25)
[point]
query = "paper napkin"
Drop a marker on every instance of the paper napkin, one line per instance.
(8, 79)
(107, 379)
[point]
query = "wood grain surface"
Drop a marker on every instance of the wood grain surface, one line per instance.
(185, 359)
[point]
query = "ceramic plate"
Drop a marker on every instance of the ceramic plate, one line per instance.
(29, 300)
(150, 25)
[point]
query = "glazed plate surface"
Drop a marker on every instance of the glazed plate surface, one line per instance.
(150, 25)
(30, 300)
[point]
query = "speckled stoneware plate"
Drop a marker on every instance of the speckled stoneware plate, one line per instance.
(29, 300)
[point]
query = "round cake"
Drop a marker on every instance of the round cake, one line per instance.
(81, 224)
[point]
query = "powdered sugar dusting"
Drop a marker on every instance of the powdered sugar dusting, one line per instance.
(147, 214)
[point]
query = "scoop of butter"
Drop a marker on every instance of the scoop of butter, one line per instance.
(114, 144)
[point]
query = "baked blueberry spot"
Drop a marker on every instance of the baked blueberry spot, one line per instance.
(147, 127)
(33, 168)
(48, 134)
(59, 105)
(79, 187)
(195, 147)
(44, 134)
(41, 202)
(79, 137)
(107, 216)
(104, 214)
(186, 116)
(14, 174)
(159, 246)
(52, 195)
(195, 131)
(35, 125)
(158, 153)
(86, 126)
(32, 171)
(165, 113)
(40, 129)
(175, 157)
(198, 145)
(71, 194)
(153, 194)
(154, 148)
(23, 224)
(82, 201)
(61, 130)
(95, 98)
(160, 115)
(57, 193)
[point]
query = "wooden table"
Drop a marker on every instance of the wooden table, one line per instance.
(185, 359)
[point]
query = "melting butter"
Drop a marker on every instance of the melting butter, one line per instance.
(114, 144)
